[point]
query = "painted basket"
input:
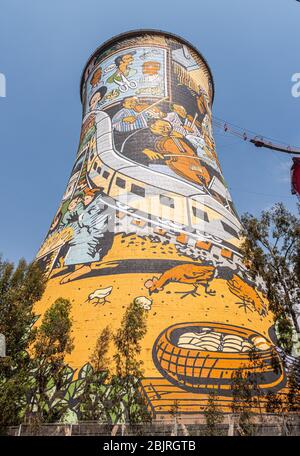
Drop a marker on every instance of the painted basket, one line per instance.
(203, 371)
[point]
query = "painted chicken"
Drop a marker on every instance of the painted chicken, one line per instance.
(184, 273)
(100, 295)
(248, 295)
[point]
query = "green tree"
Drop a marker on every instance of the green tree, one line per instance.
(274, 403)
(53, 341)
(242, 402)
(256, 378)
(99, 358)
(126, 382)
(284, 330)
(271, 249)
(175, 413)
(293, 396)
(213, 416)
(286, 405)
(94, 402)
(20, 288)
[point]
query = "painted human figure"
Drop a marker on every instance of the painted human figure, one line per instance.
(92, 238)
(188, 126)
(151, 76)
(97, 97)
(96, 77)
(205, 149)
(181, 121)
(177, 154)
(71, 211)
(131, 116)
(123, 64)
(205, 112)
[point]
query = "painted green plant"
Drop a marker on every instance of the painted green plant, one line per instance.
(107, 402)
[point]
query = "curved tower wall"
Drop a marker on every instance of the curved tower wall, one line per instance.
(147, 214)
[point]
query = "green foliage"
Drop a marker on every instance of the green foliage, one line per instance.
(284, 329)
(127, 340)
(95, 403)
(242, 401)
(20, 288)
(271, 249)
(40, 387)
(293, 402)
(99, 358)
(126, 384)
(213, 416)
(53, 337)
(288, 403)
(52, 343)
(12, 399)
(273, 403)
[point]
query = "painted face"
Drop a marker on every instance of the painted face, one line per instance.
(161, 127)
(96, 77)
(130, 103)
(127, 59)
(180, 110)
(87, 199)
(151, 68)
(95, 100)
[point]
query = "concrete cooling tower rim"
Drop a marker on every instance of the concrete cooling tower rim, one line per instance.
(137, 32)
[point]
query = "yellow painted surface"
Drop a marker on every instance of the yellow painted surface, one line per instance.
(172, 216)
(167, 308)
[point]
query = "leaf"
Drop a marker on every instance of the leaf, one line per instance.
(85, 371)
(67, 374)
(44, 406)
(56, 401)
(69, 417)
(50, 384)
(31, 381)
(75, 389)
(51, 392)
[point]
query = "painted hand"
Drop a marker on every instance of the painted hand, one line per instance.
(152, 155)
(129, 119)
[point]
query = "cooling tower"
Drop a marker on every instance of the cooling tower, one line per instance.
(147, 216)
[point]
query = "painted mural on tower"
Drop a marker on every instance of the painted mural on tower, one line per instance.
(147, 213)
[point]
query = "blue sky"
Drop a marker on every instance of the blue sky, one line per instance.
(252, 48)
